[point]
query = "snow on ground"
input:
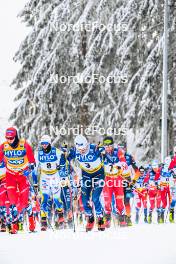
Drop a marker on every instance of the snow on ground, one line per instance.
(138, 244)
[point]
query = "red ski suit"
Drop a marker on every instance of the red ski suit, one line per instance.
(17, 161)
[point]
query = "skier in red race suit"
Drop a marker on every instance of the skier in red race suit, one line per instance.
(114, 166)
(19, 161)
(154, 190)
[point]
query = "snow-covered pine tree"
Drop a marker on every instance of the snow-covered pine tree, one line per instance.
(123, 46)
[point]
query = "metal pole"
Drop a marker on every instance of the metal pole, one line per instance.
(165, 85)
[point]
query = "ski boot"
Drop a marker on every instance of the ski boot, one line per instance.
(13, 228)
(61, 223)
(44, 225)
(20, 226)
(162, 217)
(101, 223)
(80, 218)
(32, 223)
(90, 223)
(128, 220)
(159, 220)
(145, 216)
(145, 219)
(137, 218)
(70, 220)
(171, 215)
(122, 221)
(3, 226)
(150, 218)
(108, 220)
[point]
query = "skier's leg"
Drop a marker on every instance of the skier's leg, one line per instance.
(98, 184)
(45, 195)
(138, 206)
(119, 199)
(160, 200)
(107, 195)
(11, 184)
(144, 201)
(127, 197)
(85, 195)
(86, 190)
(152, 195)
(163, 194)
(23, 186)
(11, 188)
(58, 204)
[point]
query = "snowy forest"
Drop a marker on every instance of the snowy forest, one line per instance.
(72, 45)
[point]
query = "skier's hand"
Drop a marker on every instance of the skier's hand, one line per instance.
(58, 167)
(26, 173)
(132, 185)
(35, 186)
(31, 166)
(158, 186)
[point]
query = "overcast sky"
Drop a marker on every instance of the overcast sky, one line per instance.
(12, 33)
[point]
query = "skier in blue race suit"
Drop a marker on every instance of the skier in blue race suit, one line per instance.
(88, 157)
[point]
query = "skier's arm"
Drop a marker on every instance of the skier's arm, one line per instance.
(1, 153)
(71, 154)
(173, 163)
(58, 155)
(35, 175)
(2, 170)
(121, 155)
(136, 170)
(29, 153)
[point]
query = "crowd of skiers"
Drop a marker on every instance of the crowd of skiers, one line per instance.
(87, 184)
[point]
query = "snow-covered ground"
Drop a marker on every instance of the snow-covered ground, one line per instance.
(141, 243)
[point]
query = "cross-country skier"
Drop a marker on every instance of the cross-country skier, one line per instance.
(67, 188)
(130, 181)
(140, 192)
(165, 177)
(88, 158)
(19, 160)
(154, 192)
(114, 166)
(47, 166)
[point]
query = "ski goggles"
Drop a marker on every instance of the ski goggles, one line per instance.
(108, 142)
(10, 138)
(44, 143)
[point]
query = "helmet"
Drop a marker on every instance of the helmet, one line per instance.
(141, 169)
(108, 141)
(45, 139)
(11, 133)
(155, 164)
(167, 161)
(81, 143)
